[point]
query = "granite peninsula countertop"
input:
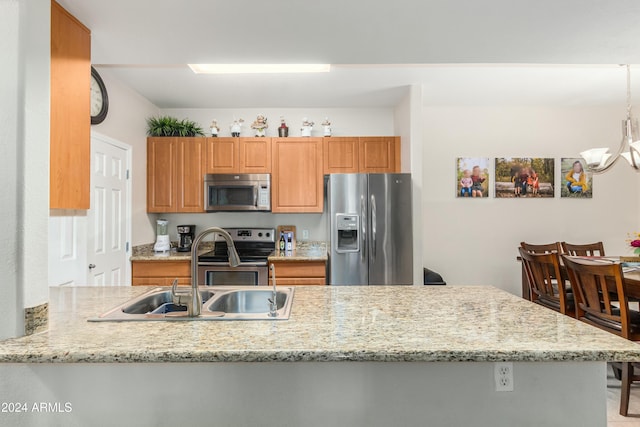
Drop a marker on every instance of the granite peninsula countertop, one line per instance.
(354, 323)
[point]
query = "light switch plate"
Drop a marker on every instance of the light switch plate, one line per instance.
(305, 234)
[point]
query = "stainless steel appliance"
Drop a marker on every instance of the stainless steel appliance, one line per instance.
(370, 229)
(237, 192)
(254, 245)
(186, 233)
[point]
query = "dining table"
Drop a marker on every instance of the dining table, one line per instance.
(631, 276)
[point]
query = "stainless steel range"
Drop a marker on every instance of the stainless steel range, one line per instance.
(254, 245)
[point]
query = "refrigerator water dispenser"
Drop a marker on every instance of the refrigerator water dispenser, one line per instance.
(347, 228)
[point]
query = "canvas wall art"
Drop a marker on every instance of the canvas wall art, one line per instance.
(576, 182)
(472, 177)
(524, 177)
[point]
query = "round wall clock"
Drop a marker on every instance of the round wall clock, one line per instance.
(99, 98)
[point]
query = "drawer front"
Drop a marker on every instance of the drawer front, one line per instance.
(300, 281)
(300, 269)
(161, 268)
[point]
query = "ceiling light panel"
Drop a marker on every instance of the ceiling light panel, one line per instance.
(259, 68)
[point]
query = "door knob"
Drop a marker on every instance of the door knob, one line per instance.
(92, 266)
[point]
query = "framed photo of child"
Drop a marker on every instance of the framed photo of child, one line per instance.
(525, 177)
(472, 177)
(577, 183)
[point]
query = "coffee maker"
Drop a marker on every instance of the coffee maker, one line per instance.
(186, 233)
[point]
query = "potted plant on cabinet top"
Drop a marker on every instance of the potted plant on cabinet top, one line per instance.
(170, 126)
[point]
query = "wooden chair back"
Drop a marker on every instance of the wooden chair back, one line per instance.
(595, 286)
(589, 249)
(543, 271)
(541, 249)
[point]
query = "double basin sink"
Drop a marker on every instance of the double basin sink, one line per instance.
(219, 303)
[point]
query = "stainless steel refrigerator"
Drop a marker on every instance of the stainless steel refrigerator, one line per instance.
(370, 229)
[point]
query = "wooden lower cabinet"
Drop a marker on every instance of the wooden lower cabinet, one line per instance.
(300, 272)
(160, 273)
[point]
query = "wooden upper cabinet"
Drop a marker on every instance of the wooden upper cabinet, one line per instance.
(70, 114)
(190, 174)
(238, 155)
(379, 154)
(162, 162)
(297, 177)
(255, 155)
(175, 174)
(341, 155)
(222, 155)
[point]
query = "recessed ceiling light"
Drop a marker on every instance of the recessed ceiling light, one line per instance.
(258, 68)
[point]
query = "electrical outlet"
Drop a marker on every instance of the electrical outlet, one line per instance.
(503, 373)
(305, 234)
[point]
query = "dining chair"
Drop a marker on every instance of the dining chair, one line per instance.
(541, 249)
(596, 286)
(589, 249)
(542, 272)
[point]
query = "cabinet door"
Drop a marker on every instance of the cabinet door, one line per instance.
(255, 155)
(190, 174)
(301, 272)
(341, 155)
(222, 155)
(70, 133)
(379, 154)
(161, 175)
(297, 175)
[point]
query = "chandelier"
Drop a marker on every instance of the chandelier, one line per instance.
(600, 160)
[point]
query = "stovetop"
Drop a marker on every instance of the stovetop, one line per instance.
(254, 245)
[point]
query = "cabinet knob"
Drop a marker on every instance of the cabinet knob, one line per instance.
(92, 266)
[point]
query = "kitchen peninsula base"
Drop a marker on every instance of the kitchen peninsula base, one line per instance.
(306, 394)
(347, 356)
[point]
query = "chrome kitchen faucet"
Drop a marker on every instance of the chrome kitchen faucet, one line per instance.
(192, 298)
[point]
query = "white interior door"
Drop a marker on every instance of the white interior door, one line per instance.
(67, 243)
(108, 221)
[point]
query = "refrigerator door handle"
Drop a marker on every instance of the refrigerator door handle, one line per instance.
(363, 228)
(373, 227)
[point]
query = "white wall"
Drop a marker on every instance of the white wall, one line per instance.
(344, 121)
(473, 241)
(126, 122)
(9, 173)
(24, 147)
(408, 125)
(33, 148)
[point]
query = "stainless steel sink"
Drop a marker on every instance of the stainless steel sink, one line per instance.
(220, 303)
(157, 299)
(250, 303)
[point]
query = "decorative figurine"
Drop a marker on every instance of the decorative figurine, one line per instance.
(307, 126)
(214, 128)
(326, 126)
(260, 125)
(283, 130)
(236, 127)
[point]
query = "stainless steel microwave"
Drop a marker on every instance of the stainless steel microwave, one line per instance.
(237, 192)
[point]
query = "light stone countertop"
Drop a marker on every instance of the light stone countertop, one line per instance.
(355, 323)
(146, 253)
(305, 251)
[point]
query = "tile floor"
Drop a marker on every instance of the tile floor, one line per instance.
(614, 419)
